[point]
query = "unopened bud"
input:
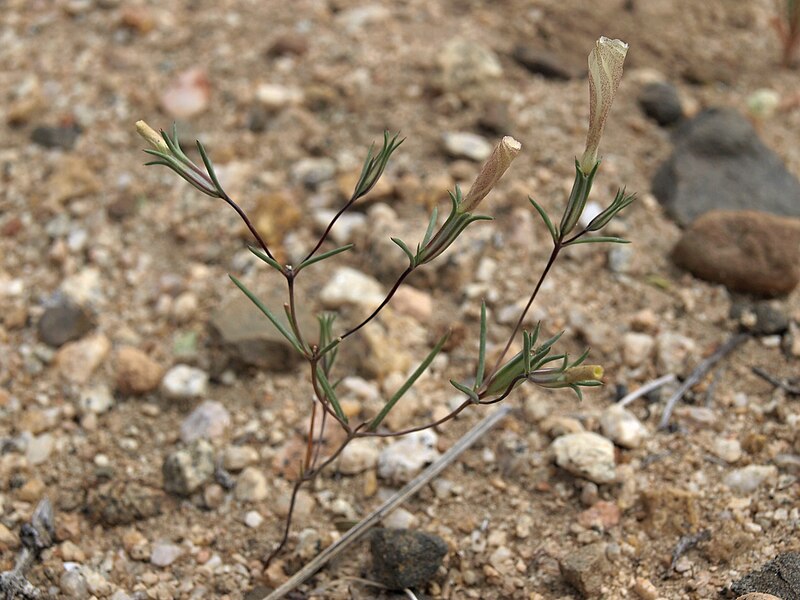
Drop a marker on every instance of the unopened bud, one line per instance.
(152, 137)
(605, 73)
(583, 373)
(498, 162)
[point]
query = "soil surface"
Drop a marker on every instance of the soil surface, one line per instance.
(146, 258)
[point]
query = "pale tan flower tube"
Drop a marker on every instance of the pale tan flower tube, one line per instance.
(498, 162)
(152, 137)
(605, 72)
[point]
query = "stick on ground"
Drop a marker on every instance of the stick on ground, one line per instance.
(411, 488)
(704, 367)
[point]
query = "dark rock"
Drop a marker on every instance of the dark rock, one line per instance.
(187, 469)
(123, 502)
(747, 251)
(660, 102)
(719, 162)
(760, 318)
(64, 323)
(63, 137)
(288, 44)
(585, 568)
(405, 559)
(542, 62)
(257, 119)
(780, 577)
(242, 337)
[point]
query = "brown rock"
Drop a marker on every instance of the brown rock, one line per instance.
(77, 361)
(137, 373)
(758, 596)
(123, 502)
(747, 251)
(601, 515)
(585, 568)
(670, 511)
(73, 178)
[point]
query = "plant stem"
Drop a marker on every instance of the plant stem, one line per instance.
(553, 255)
(327, 231)
(249, 224)
(382, 305)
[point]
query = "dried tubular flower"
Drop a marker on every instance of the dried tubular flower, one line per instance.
(605, 72)
(152, 137)
(493, 169)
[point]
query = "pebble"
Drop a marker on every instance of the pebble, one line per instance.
(358, 456)
(349, 286)
(645, 589)
(585, 568)
(586, 455)
(39, 448)
(236, 458)
(64, 322)
(745, 250)
(184, 307)
(251, 485)
(187, 469)
(637, 348)
(673, 352)
(32, 491)
(622, 427)
(244, 338)
(8, 539)
(164, 554)
(468, 65)
(184, 382)
(290, 43)
(77, 361)
(405, 559)
(188, 94)
(748, 479)
(253, 519)
(59, 136)
(601, 515)
(400, 518)
(542, 62)
(463, 144)
(73, 178)
(727, 449)
(400, 461)
(313, 171)
(136, 373)
(304, 504)
(414, 303)
(213, 496)
(209, 420)
(97, 400)
(275, 96)
(73, 584)
(660, 101)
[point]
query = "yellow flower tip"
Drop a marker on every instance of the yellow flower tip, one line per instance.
(584, 373)
(493, 169)
(151, 136)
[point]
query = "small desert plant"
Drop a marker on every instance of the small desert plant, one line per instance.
(787, 25)
(538, 363)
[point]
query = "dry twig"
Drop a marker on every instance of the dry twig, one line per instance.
(704, 367)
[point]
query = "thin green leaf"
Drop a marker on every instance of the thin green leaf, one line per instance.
(581, 358)
(330, 394)
(405, 249)
(273, 319)
(464, 389)
(270, 261)
(431, 225)
(526, 352)
(209, 167)
(577, 391)
(408, 383)
(548, 223)
(481, 348)
(323, 256)
(598, 240)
